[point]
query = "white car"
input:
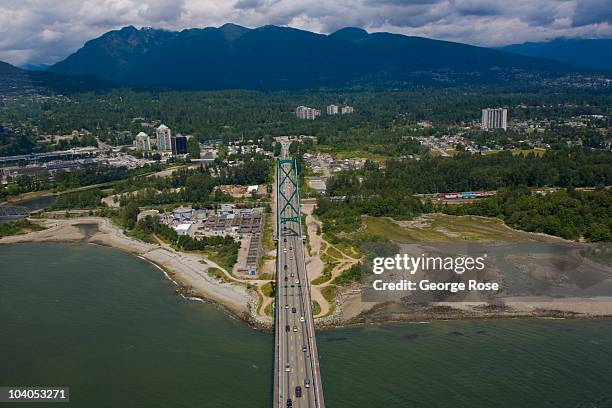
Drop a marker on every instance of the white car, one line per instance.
(287, 368)
(302, 319)
(286, 306)
(297, 282)
(285, 250)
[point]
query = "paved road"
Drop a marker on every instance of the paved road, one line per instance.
(297, 363)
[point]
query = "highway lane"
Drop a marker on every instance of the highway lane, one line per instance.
(297, 360)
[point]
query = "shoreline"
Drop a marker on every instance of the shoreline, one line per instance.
(188, 272)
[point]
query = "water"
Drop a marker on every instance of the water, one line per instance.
(32, 204)
(109, 325)
(38, 203)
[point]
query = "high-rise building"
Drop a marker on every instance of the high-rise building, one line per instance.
(332, 109)
(304, 112)
(347, 109)
(142, 142)
(164, 138)
(494, 118)
(179, 144)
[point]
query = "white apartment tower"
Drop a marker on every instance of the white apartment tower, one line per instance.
(142, 142)
(164, 138)
(332, 109)
(304, 112)
(347, 109)
(494, 118)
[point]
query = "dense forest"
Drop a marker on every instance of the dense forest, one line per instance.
(390, 191)
(574, 167)
(568, 214)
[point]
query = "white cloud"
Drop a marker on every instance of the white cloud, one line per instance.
(44, 31)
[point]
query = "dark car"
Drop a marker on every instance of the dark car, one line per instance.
(298, 392)
(285, 267)
(287, 328)
(289, 403)
(286, 279)
(293, 310)
(304, 349)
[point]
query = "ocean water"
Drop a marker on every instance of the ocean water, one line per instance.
(109, 326)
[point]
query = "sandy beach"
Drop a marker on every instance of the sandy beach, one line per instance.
(187, 270)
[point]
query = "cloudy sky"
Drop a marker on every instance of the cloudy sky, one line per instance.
(45, 31)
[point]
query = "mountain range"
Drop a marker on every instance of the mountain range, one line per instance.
(594, 54)
(19, 81)
(271, 57)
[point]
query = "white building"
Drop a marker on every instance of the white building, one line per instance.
(182, 229)
(142, 142)
(164, 138)
(332, 109)
(347, 109)
(494, 118)
(304, 112)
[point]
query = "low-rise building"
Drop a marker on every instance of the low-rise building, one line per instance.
(183, 229)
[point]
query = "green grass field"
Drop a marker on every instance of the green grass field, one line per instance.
(444, 228)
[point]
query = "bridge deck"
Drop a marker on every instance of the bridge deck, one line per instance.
(296, 358)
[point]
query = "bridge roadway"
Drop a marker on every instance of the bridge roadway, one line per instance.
(296, 358)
